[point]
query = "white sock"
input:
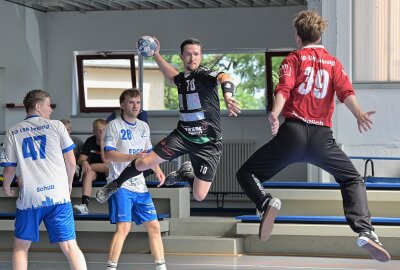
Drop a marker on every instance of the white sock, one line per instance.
(112, 265)
(160, 264)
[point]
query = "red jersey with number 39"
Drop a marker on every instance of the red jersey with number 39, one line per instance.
(308, 80)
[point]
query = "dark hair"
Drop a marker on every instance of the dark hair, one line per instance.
(309, 26)
(132, 92)
(190, 41)
(33, 97)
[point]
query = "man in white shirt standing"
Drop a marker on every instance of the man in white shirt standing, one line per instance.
(42, 149)
(128, 138)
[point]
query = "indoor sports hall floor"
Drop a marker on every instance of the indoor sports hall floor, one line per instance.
(96, 261)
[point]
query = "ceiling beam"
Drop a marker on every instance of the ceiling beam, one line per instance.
(230, 3)
(192, 3)
(211, 3)
(81, 7)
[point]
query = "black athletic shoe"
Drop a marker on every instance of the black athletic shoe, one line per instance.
(183, 174)
(370, 242)
(267, 218)
(105, 192)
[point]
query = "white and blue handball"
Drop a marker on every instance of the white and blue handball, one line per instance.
(146, 46)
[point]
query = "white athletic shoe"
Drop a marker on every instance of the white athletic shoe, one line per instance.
(81, 209)
(267, 218)
(370, 242)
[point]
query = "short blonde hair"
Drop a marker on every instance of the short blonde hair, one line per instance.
(309, 26)
(98, 122)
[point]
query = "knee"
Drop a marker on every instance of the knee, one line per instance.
(123, 229)
(143, 164)
(90, 176)
(68, 247)
(199, 196)
(242, 174)
(153, 227)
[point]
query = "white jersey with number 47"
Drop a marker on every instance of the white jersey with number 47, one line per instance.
(36, 145)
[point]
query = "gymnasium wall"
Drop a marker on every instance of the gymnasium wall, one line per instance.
(36, 51)
(23, 56)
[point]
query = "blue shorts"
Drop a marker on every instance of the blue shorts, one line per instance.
(58, 219)
(127, 206)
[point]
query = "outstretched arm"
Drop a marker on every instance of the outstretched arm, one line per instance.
(167, 69)
(232, 105)
(363, 118)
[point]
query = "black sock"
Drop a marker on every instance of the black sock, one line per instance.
(129, 172)
(85, 200)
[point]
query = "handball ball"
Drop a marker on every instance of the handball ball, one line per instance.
(146, 46)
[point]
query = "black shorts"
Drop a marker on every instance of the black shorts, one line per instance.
(204, 157)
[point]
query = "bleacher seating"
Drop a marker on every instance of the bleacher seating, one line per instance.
(389, 221)
(313, 185)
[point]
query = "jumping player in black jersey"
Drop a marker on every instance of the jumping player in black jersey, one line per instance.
(199, 128)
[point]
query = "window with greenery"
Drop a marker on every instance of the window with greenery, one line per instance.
(102, 78)
(247, 70)
(273, 60)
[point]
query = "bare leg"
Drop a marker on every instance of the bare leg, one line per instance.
(74, 255)
(148, 162)
(88, 179)
(200, 188)
(20, 254)
(117, 242)
(155, 241)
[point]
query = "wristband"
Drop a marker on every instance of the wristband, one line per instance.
(228, 86)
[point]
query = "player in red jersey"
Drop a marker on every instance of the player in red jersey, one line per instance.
(309, 79)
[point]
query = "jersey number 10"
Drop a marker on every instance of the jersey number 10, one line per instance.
(29, 150)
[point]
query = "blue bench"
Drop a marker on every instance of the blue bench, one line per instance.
(388, 221)
(91, 216)
(313, 185)
(372, 178)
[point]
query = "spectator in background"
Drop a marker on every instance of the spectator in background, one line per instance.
(77, 150)
(77, 141)
(94, 167)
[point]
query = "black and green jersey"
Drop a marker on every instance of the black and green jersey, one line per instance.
(199, 111)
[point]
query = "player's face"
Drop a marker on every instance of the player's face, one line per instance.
(131, 106)
(44, 108)
(191, 57)
(99, 130)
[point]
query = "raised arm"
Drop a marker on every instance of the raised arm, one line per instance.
(363, 118)
(166, 68)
